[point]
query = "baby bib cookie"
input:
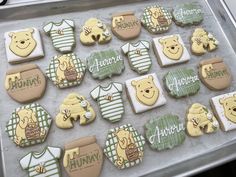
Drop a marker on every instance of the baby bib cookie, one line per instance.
(215, 74)
(125, 25)
(187, 14)
(62, 35)
(203, 42)
(94, 30)
(145, 93)
(29, 125)
(138, 56)
(74, 107)
(181, 82)
(200, 120)
(124, 146)
(165, 132)
(156, 19)
(110, 101)
(26, 83)
(23, 45)
(170, 50)
(224, 107)
(83, 157)
(66, 70)
(45, 163)
(105, 64)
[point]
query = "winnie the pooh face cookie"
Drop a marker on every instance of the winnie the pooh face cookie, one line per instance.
(200, 120)
(145, 93)
(170, 50)
(23, 45)
(93, 31)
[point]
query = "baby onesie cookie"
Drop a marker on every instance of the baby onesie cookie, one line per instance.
(215, 74)
(200, 120)
(45, 163)
(26, 83)
(224, 107)
(170, 50)
(29, 125)
(62, 35)
(83, 157)
(181, 82)
(125, 25)
(23, 45)
(74, 107)
(110, 101)
(94, 30)
(138, 56)
(156, 19)
(105, 63)
(203, 42)
(187, 14)
(165, 132)
(124, 146)
(66, 70)
(145, 93)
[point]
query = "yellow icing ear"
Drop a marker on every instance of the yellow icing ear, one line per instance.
(11, 34)
(176, 38)
(234, 95)
(150, 77)
(69, 155)
(161, 41)
(31, 30)
(134, 83)
(222, 100)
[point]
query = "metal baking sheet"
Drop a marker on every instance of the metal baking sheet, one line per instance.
(164, 163)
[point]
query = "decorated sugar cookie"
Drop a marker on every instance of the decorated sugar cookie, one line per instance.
(25, 83)
(45, 163)
(181, 82)
(29, 125)
(110, 101)
(124, 146)
(156, 19)
(138, 56)
(200, 120)
(225, 109)
(62, 35)
(165, 132)
(170, 50)
(105, 63)
(83, 157)
(23, 45)
(215, 74)
(187, 14)
(125, 25)
(145, 93)
(66, 70)
(203, 42)
(94, 30)
(74, 107)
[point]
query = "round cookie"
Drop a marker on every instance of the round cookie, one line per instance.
(215, 74)
(25, 83)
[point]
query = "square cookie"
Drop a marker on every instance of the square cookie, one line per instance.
(225, 109)
(145, 93)
(23, 45)
(170, 50)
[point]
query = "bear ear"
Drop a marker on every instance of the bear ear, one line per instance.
(161, 41)
(176, 38)
(11, 34)
(222, 100)
(235, 95)
(150, 77)
(134, 83)
(31, 30)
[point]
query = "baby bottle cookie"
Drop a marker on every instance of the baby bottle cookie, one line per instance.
(25, 83)
(83, 157)
(29, 125)
(125, 25)
(74, 107)
(124, 146)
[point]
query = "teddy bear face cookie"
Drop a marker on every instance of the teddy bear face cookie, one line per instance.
(145, 93)
(200, 120)
(124, 146)
(29, 125)
(23, 45)
(94, 30)
(215, 74)
(170, 50)
(156, 19)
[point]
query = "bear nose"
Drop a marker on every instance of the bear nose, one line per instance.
(147, 91)
(172, 47)
(22, 42)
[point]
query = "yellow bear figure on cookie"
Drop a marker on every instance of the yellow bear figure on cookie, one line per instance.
(229, 105)
(200, 119)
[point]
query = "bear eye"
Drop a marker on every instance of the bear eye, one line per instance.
(141, 91)
(16, 41)
(229, 108)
